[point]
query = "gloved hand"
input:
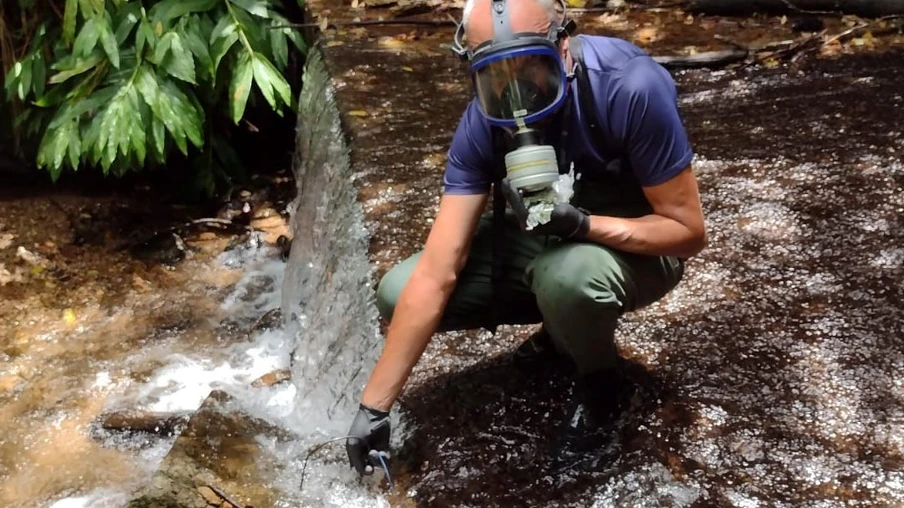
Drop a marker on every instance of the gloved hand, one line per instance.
(368, 436)
(566, 221)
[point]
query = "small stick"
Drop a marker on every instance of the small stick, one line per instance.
(730, 42)
(224, 496)
(804, 11)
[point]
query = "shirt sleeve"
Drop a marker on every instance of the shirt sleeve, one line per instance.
(469, 165)
(643, 106)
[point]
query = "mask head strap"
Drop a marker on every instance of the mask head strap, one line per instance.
(502, 31)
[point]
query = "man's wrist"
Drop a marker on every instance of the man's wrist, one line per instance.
(583, 225)
(375, 404)
(604, 230)
(373, 410)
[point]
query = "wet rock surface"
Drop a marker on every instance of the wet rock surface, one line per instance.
(217, 456)
(770, 376)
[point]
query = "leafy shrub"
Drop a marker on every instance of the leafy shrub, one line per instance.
(123, 83)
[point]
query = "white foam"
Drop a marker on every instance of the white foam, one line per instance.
(101, 498)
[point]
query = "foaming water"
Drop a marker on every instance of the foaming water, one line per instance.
(182, 380)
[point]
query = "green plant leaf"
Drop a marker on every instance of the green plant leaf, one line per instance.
(147, 83)
(87, 85)
(196, 44)
(108, 41)
(25, 80)
(12, 80)
(179, 62)
(265, 72)
(280, 48)
(137, 138)
(53, 147)
(69, 18)
(87, 37)
(220, 48)
(251, 27)
(263, 79)
(76, 109)
(224, 28)
(91, 8)
(144, 36)
(107, 130)
(191, 118)
(163, 47)
(76, 66)
(290, 33)
(256, 7)
(39, 75)
(130, 14)
(172, 9)
(240, 87)
(55, 96)
(159, 131)
(74, 146)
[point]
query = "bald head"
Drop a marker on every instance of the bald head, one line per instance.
(524, 16)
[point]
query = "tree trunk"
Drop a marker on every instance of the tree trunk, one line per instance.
(743, 7)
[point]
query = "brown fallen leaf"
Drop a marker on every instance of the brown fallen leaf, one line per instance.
(275, 377)
(647, 34)
(6, 239)
(358, 113)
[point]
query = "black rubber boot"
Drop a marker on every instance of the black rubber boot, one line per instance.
(539, 348)
(599, 400)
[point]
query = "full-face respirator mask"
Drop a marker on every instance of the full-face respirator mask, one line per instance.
(519, 80)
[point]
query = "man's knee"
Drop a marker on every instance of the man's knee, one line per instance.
(577, 277)
(391, 285)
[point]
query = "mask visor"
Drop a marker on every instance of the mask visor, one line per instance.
(524, 83)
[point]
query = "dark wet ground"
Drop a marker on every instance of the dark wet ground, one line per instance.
(776, 364)
(772, 373)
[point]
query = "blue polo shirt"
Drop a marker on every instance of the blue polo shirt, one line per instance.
(636, 104)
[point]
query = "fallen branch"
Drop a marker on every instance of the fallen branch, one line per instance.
(224, 223)
(706, 59)
(852, 32)
(868, 8)
(864, 26)
(223, 495)
(164, 424)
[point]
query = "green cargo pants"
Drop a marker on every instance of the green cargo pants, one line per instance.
(577, 290)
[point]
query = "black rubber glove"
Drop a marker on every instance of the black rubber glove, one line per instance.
(566, 221)
(368, 437)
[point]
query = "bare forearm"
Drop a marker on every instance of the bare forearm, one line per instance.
(415, 318)
(652, 235)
